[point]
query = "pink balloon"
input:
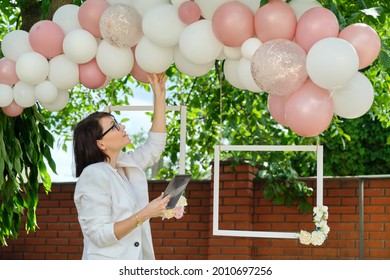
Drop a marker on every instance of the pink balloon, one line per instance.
(8, 74)
(189, 12)
(279, 67)
(46, 37)
(276, 106)
(89, 16)
(12, 110)
(365, 40)
(232, 23)
(90, 75)
(275, 20)
(315, 24)
(309, 110)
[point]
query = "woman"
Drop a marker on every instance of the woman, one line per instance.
(111, 194)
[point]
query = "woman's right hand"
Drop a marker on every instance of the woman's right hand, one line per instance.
(155, 208)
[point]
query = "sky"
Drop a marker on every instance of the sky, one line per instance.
(138, 121)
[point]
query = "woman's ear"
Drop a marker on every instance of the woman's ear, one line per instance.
(101, 145)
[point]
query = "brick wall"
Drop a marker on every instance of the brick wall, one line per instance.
(242, 207)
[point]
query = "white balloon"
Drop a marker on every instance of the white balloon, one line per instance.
(67, 18)
(143, 6)
(63, 72)
(32, 67)
(207, 7)
(230, 68)
(332, 62)
(231, 52)
(153, 58)
(6, 95)
(80, 46)
(245, 75)
(24, 94)
(252, 4)
(162, 25)
(355, 98)
(198, 42)
(177, 3)
(15, 43)
(46, 92)
(59, 103)
(191, 69)
(114, 62)
(249, 47)
(301, 6)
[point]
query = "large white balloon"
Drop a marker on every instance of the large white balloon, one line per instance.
(198, 42)
(80, 46)
(249, 47)
(6, 95)
(162, 25)
(143, 6)
(113, 61)
(46, 92)
(208, 7)
(177, 3)
(232, 52)
(245, 75)
(191, 69)
(63, 72)
(15, 43)
(301, 6)
(32, 67)
(332, 62)
(67, 17)
(355, 98)
(24, 94)
(153, 58)
(230, 68)
(59, 103)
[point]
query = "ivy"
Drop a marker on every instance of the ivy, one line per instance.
(24, 151)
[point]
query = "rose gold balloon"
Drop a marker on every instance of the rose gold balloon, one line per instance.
(365, 40)
(12, 110)
(315, 24)
(46, 37)
(309, 110)
(189, 12)
(232, 23)
(90, 75)
(275, 20)
(8, 74)
(89, 16)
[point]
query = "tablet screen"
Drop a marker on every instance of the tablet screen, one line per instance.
(175, 188)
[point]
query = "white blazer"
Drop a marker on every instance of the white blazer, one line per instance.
(103, 197)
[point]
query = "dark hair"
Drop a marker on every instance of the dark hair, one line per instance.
(85, 134)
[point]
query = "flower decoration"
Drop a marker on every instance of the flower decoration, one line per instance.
(177, 211)
(319, 235)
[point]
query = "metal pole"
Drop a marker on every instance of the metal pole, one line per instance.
(361, 219)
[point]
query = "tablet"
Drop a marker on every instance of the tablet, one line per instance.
(175, 188)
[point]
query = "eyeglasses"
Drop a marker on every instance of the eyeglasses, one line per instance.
(116, 125)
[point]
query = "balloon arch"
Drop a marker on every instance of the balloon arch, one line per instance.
(294, 52)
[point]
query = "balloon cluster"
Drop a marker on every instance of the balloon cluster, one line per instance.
(293, 51)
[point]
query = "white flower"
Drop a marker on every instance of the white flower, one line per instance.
(177, 211)
(305, 237)
(319, 235)
(317, 238)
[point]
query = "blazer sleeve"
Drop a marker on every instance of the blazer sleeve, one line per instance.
(93, 202)
(149, 153)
